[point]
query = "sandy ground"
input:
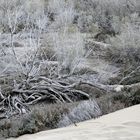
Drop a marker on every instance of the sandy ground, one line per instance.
(121, 125)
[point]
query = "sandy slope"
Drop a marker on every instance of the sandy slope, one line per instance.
(121, 125)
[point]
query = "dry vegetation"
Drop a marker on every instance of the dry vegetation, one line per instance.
(66, 61)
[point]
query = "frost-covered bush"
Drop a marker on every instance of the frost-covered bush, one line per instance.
(104, 12)
(69, 51)
(84, 111)
(62, 12)
(127, 44)
(11, 15)
(17, 15)
(129, 37)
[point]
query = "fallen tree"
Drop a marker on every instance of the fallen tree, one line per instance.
(34, 90)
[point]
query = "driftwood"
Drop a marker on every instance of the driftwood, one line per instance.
(34, 90)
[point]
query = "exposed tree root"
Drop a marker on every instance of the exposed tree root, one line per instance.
(35, 90)
(49, 90)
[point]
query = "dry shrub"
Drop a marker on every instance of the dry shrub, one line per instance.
(42, 117)
(69, 51)
(104, 12)
(47, 53)
(112, 102)
(67, 48)
(125, 47)
(84, 111)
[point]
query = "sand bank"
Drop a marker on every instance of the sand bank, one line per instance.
(120, 125)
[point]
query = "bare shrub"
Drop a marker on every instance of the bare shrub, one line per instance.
(63, 14)
(69, 51)
(105, 13)
(22, 14)
(67, 48)
(125, 46)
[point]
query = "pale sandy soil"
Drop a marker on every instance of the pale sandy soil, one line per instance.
(121, 125)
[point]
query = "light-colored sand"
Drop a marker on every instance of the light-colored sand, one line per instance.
(121, 125)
